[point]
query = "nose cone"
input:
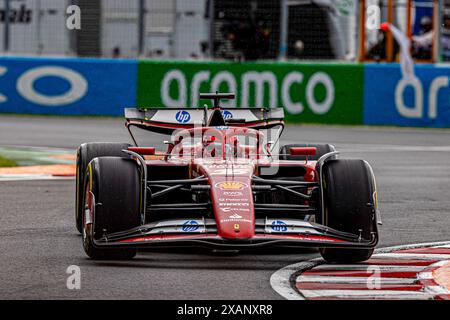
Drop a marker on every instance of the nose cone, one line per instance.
(233, 207)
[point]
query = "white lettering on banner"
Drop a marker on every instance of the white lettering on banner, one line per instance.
(259, 79)
(436, 85)
(78, 86)
(405, 111)
(3, 98)
(316, 79)
(417, 111)
(292, 107)
(178, 76)
(265, 84)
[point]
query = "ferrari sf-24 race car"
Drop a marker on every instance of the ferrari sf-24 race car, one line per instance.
(222, 184)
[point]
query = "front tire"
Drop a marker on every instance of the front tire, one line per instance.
(112, 202)
(85, 153)
(350, 206)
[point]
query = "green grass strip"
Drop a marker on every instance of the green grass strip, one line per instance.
(4, 162)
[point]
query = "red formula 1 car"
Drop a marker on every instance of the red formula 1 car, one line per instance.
(220, 184)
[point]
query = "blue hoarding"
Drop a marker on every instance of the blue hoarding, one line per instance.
(391, 100)
(67, 86)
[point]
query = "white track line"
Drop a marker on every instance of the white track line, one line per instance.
(281, 280)
(31, 177)
(428, 275)
(354, 280)
(369, 267)
(283, 283)
(425, 276)
(415, 256)
(412, 246)
(394, 294)
(436, 290)
(444, 246)
(439, 263)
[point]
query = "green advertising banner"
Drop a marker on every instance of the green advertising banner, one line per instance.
(309, 93)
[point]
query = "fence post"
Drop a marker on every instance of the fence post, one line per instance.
(437, 27)
(141, 27)
(390, 37)
(362, 31)
(284, 21)
(6, 29)
(211, 29)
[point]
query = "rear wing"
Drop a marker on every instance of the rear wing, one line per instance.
(167, 120)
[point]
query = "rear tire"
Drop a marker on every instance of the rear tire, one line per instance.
(85, 153)
(349, 188)
(115, 206)
(321, 150)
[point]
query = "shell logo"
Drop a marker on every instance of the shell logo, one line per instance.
(231, 185)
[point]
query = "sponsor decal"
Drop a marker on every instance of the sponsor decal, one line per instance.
(227, 115)
(221, 127)
(234, 220)
(279, 226)
(227, 169)
(276, 86)
(190, 226)
(224, 166)
(235, 204)
(233, 193)
(231, 185)
(66, 86)
(421, 101)
(77, 89)
(227, 209)
(235, 216)
(183, 116)
(230, 171)
(320, 92)
(233, 200)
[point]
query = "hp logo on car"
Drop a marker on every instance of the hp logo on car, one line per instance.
(183, 116)
(190, 226)
(227, 115)
(279, 226)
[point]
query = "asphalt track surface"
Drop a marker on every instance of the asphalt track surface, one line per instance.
(38, 240)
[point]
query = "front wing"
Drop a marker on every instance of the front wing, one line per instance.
(202, 233)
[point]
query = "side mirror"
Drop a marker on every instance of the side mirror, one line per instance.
(303, 151)
(148, 151)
